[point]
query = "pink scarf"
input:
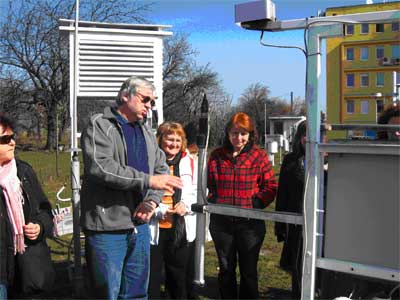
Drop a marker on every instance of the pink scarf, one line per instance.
(14, 199)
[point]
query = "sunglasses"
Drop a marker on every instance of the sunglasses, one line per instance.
(144, 99)
(6, 139)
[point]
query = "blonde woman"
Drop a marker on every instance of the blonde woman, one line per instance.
(174, 224)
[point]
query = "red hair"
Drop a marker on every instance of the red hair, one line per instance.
(241, 120)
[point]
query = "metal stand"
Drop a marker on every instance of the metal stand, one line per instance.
(202, 143)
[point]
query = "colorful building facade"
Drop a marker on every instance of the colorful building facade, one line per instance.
(363, 69)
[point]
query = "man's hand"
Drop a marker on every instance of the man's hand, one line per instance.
(145, 210)
(31, 231)
(165, 182)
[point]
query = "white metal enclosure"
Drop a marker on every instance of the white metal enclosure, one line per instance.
(108, 53)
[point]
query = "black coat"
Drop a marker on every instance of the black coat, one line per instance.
(290, 199)
(37, 209)
(290, 191)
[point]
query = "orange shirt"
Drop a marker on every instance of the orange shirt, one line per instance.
(167, 200)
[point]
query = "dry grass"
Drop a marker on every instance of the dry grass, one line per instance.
(272, 280)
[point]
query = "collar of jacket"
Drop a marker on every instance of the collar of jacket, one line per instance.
(110, 113)
(241, 156)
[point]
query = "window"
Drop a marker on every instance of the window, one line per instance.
(364, 107)
(349, 29)
(350, 80)
(364, 80)
(380, 27)
(364, 53)
(380, 79)
(395, 26)
(278, 127)
(379, 106)
(380, 52)
(350, 54)
(395, 51)
(350, 106)
(364, 28)
(397, 77)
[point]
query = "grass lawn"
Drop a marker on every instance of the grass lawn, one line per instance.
(272, 280)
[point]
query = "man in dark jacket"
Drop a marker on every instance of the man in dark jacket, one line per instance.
(125, 176)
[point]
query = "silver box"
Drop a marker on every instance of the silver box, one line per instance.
(362, 209)
(255, 11)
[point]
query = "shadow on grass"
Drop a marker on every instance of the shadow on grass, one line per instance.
(210, 291)
(64, 287)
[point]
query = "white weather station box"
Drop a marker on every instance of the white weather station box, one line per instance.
(252, 13)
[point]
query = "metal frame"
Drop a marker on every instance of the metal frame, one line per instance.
(377, 148)
(351, 147)
(228, 210)
(358, 269)
(318, 29)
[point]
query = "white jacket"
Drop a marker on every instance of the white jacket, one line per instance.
(188, 174)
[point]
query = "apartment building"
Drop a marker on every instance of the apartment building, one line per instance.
(363, 69)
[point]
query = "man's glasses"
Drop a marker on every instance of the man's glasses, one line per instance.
(6, 139)
(144, 99)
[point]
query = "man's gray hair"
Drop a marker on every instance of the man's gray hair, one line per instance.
(130, 87)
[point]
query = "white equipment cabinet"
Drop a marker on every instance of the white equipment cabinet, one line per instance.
(109, 53)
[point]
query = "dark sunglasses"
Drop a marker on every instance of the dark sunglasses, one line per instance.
(6, 139)
(144, 99)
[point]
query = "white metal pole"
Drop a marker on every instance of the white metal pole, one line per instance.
(202, 143)
(396, 86)
(199, 251)
(265, 125)
(75, 168)
(312, 156)
(74, 131)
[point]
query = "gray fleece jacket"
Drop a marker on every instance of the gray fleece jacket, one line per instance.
(111, 189)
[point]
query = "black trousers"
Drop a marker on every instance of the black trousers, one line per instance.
(294, 246)
(237, 240)
(176, 262)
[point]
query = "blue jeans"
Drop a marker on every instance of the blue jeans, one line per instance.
(118, 263)
(3, 291)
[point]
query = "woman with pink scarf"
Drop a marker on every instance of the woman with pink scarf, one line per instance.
(25, 213)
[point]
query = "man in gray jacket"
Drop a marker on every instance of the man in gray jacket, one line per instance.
(125, 176)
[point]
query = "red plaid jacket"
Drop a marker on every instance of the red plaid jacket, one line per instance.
(241, 181)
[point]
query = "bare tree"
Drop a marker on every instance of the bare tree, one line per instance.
(31, 46)
(257, 103)
(178, 54)
(253, 101)
(219, 116)
(185, 82)
(299, 106)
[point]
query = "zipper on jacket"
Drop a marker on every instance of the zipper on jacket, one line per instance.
(123, 140)
(28, 202)
(24, 192)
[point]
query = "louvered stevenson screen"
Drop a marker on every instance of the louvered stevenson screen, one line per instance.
(105, 64)
(108, 53)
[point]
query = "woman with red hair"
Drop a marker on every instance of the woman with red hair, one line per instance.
(239, 174)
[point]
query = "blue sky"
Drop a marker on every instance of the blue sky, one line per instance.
(236, 53)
